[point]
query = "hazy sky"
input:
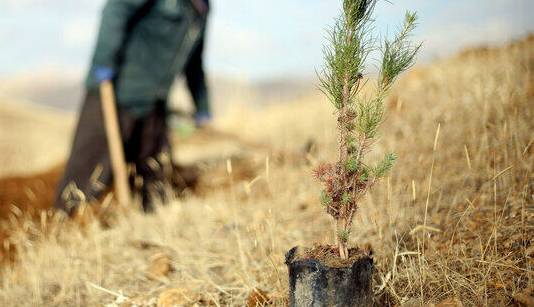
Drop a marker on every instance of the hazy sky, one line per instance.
(251, 39)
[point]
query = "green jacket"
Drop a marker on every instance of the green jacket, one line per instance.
(146, 43)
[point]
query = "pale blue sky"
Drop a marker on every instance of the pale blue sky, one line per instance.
(251, 39)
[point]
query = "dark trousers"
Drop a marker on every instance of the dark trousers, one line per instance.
(88, 171)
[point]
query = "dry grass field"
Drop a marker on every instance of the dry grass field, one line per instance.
(452, 226)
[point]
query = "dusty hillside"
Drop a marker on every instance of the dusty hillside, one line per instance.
(51, 87)
(453, 223)
(32, 138)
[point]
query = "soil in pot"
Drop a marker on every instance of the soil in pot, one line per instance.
(319, 277)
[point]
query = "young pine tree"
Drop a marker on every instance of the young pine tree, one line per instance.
(358, 116)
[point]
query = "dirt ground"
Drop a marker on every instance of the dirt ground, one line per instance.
(27, 197)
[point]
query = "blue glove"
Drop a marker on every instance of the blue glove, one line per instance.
(202, 119)
(103, 74)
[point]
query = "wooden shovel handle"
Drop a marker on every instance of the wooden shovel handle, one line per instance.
(116, 150)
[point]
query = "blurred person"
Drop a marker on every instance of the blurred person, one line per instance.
(142, 46)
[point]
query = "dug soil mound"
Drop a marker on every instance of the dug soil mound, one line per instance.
(23, 198)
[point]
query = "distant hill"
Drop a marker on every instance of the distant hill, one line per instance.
(64, 91)
(48, 87)
(32, 137)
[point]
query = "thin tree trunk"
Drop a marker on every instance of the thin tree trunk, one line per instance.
(341, 243)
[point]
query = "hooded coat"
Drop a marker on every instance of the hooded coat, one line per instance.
(146, 43)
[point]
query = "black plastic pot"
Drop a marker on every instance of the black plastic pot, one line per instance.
(313, 284)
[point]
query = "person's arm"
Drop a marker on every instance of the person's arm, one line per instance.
(196, 82)
(115, 19)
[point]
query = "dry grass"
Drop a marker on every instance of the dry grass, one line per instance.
(454, 220)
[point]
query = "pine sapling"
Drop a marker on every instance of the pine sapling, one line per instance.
(358, 116)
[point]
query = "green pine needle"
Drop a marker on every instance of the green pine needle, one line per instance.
(383, 168)
(364, 176)
(343, 235)
(346, 198)
(398, 53)
(351, 165)
(326, 200)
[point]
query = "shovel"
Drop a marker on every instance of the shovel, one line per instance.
(116, 150)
